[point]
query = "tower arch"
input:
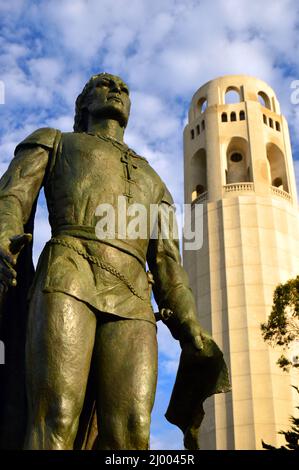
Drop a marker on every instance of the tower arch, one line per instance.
(237, 161)
(232, 95)
(264, 99)
(202, 105)
(277, 167)
(199, 173)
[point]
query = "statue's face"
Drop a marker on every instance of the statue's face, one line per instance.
(109, 99)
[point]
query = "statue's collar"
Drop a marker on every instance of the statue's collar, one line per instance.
(119, 145)
(113, 141)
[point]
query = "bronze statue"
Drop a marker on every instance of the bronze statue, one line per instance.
(91, 348)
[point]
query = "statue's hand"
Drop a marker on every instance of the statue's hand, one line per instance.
(18, 242)
(8, 259)
(187, 331)
(191, 333)
(8, 274)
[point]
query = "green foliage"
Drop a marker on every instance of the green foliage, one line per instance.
(282, 327)
(291, 436)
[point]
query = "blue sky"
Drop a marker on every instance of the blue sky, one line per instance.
(165, 50)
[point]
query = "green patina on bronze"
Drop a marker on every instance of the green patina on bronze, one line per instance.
(84, 319)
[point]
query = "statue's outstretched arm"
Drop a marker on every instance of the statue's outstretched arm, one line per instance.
(19, 188)
(202, 370)
(21, 183)
(171, 284)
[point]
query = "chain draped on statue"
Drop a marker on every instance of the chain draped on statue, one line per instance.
(126, 159)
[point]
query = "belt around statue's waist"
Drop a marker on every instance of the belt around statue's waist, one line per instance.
(98, 262)
(88, 233)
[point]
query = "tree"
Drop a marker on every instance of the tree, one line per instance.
(291, 436)
(282, 329)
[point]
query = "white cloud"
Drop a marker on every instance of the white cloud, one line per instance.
(152, 116)
(45, 71)
(63, 123)
(11, 138)
(274, 22)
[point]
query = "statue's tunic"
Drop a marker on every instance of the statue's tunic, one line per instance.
(82, 172)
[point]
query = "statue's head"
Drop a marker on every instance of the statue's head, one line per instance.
(106, 97)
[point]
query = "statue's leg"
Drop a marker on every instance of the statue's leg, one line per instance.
(126, 365)
(59, 347)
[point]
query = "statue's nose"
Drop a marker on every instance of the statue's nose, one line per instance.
(115, 87)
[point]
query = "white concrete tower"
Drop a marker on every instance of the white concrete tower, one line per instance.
(238, 164)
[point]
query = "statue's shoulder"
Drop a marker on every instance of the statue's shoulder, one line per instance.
(138, 157)
(45, 136)
(143, 163)
(74, 136)
(165, 195)
(78, 139)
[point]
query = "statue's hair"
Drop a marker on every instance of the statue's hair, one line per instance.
(80, 124)
(80, 121)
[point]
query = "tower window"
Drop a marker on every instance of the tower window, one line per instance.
(236, 157)
(277, 126)
(242, 115)
(264, 99)
(192, 134)
(271, 122)
(202, 105)
(265, 119)
(197, 129)
(233, 116)
(203, 125)
(224, 117)
(232, 96)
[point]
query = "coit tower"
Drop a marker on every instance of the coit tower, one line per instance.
(238, 165)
